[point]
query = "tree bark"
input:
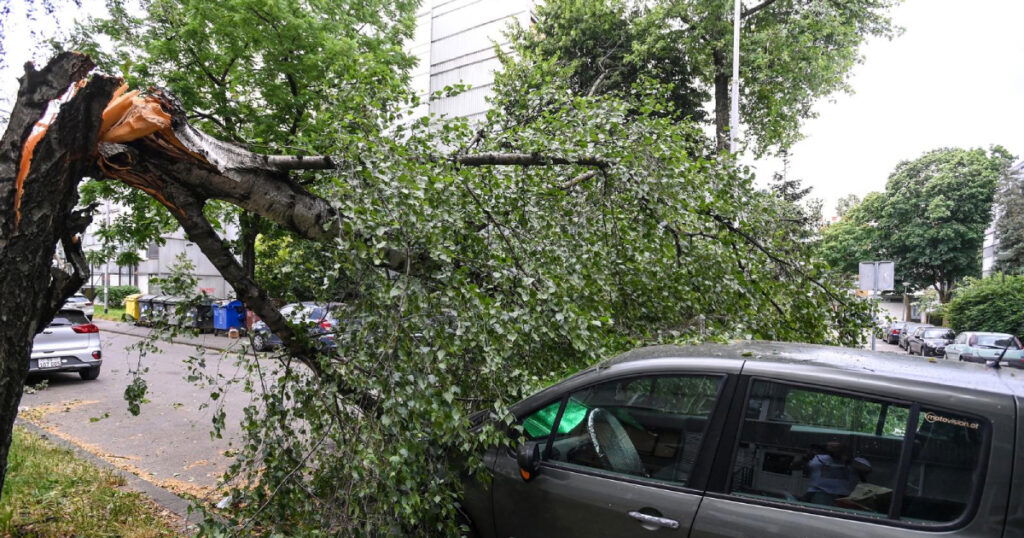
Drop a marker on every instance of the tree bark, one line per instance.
(248, 228)
(34, 288)
(720, 60)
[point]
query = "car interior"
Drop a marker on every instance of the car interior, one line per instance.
(650, 427)
(785, 427)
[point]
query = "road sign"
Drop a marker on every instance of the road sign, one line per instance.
(877, 276)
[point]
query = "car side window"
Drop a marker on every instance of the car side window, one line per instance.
(815, 448)
(650, 427)
(942, 474)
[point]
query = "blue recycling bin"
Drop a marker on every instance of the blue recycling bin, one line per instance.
(228, 315)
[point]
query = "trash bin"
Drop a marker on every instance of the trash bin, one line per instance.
(131, 306)
(199, 315)
(171, 314)
(146, 309)
(228, 315)
(160, 313)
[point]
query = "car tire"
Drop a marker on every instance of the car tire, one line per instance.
(259, 343)
(90, 373)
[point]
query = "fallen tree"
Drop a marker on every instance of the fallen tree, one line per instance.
(471, 276)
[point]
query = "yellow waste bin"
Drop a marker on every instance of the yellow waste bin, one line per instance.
(131, 306)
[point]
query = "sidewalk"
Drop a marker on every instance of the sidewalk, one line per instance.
(208, 341)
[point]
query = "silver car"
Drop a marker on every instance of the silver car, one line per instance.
(70, 343)
(80, 302)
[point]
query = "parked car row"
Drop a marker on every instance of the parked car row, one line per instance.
(319, 319)
(971, 346)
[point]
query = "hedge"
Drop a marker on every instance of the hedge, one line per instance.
(994, 304)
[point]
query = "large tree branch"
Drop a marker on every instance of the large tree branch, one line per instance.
(199, 231)
(527, 159)
(747, 13)
(784, 264)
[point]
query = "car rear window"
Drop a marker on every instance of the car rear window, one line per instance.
(819, 449)
(69, 317)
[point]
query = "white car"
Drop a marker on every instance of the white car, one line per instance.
(80, 302)
(70, 343)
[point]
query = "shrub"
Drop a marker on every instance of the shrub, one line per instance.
(116, 294)
(992, 304)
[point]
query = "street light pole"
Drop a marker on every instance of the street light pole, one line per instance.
(734, 113)
(106, 264)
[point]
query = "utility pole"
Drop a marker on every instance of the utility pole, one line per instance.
(734, 113)
(106, 263)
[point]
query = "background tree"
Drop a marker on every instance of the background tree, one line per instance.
(846, 203)
(988, 304)
(936, 209)
(793, 53)
(855, 238)
(1010, 224)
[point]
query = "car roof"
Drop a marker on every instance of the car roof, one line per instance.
(982, 333)
(918, 369)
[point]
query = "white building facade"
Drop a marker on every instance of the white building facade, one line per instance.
(157, 261)
(454, 44)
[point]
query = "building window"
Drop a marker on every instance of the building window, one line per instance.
(153, 251)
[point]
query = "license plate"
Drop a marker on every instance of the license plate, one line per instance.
(49, 363)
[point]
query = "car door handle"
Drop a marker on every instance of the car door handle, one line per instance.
(656, 521)
(47, 332)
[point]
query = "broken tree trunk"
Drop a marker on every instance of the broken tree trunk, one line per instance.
(37, 212)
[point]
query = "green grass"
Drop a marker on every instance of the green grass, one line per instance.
(50, 492)
(115, 314)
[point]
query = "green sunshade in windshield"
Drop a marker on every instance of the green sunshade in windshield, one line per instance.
(539, 423)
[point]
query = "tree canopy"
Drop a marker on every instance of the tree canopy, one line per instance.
(930, 220)
(988, 304)
(1009, 225)
(792, 54)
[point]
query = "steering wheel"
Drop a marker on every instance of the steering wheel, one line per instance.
(612, 444)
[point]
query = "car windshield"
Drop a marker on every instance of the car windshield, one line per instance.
(77, 300)
(996, 341)
(939, 333)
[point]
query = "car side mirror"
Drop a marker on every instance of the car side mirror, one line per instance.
(528, 458)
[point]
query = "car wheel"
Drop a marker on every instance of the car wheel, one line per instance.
(90, 374)
(258, 342)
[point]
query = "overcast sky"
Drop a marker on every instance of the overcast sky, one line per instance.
(954, 78)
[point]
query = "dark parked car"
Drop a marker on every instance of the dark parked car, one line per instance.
(893, 335)
(908, 330)
(761, 439)
(319, 320)
(930, 341)
(70, 343)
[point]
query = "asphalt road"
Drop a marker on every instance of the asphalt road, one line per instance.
(169, 443)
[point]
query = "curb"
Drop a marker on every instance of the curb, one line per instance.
(163, 498)
(128, 332)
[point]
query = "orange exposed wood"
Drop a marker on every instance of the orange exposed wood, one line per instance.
(26, 162)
